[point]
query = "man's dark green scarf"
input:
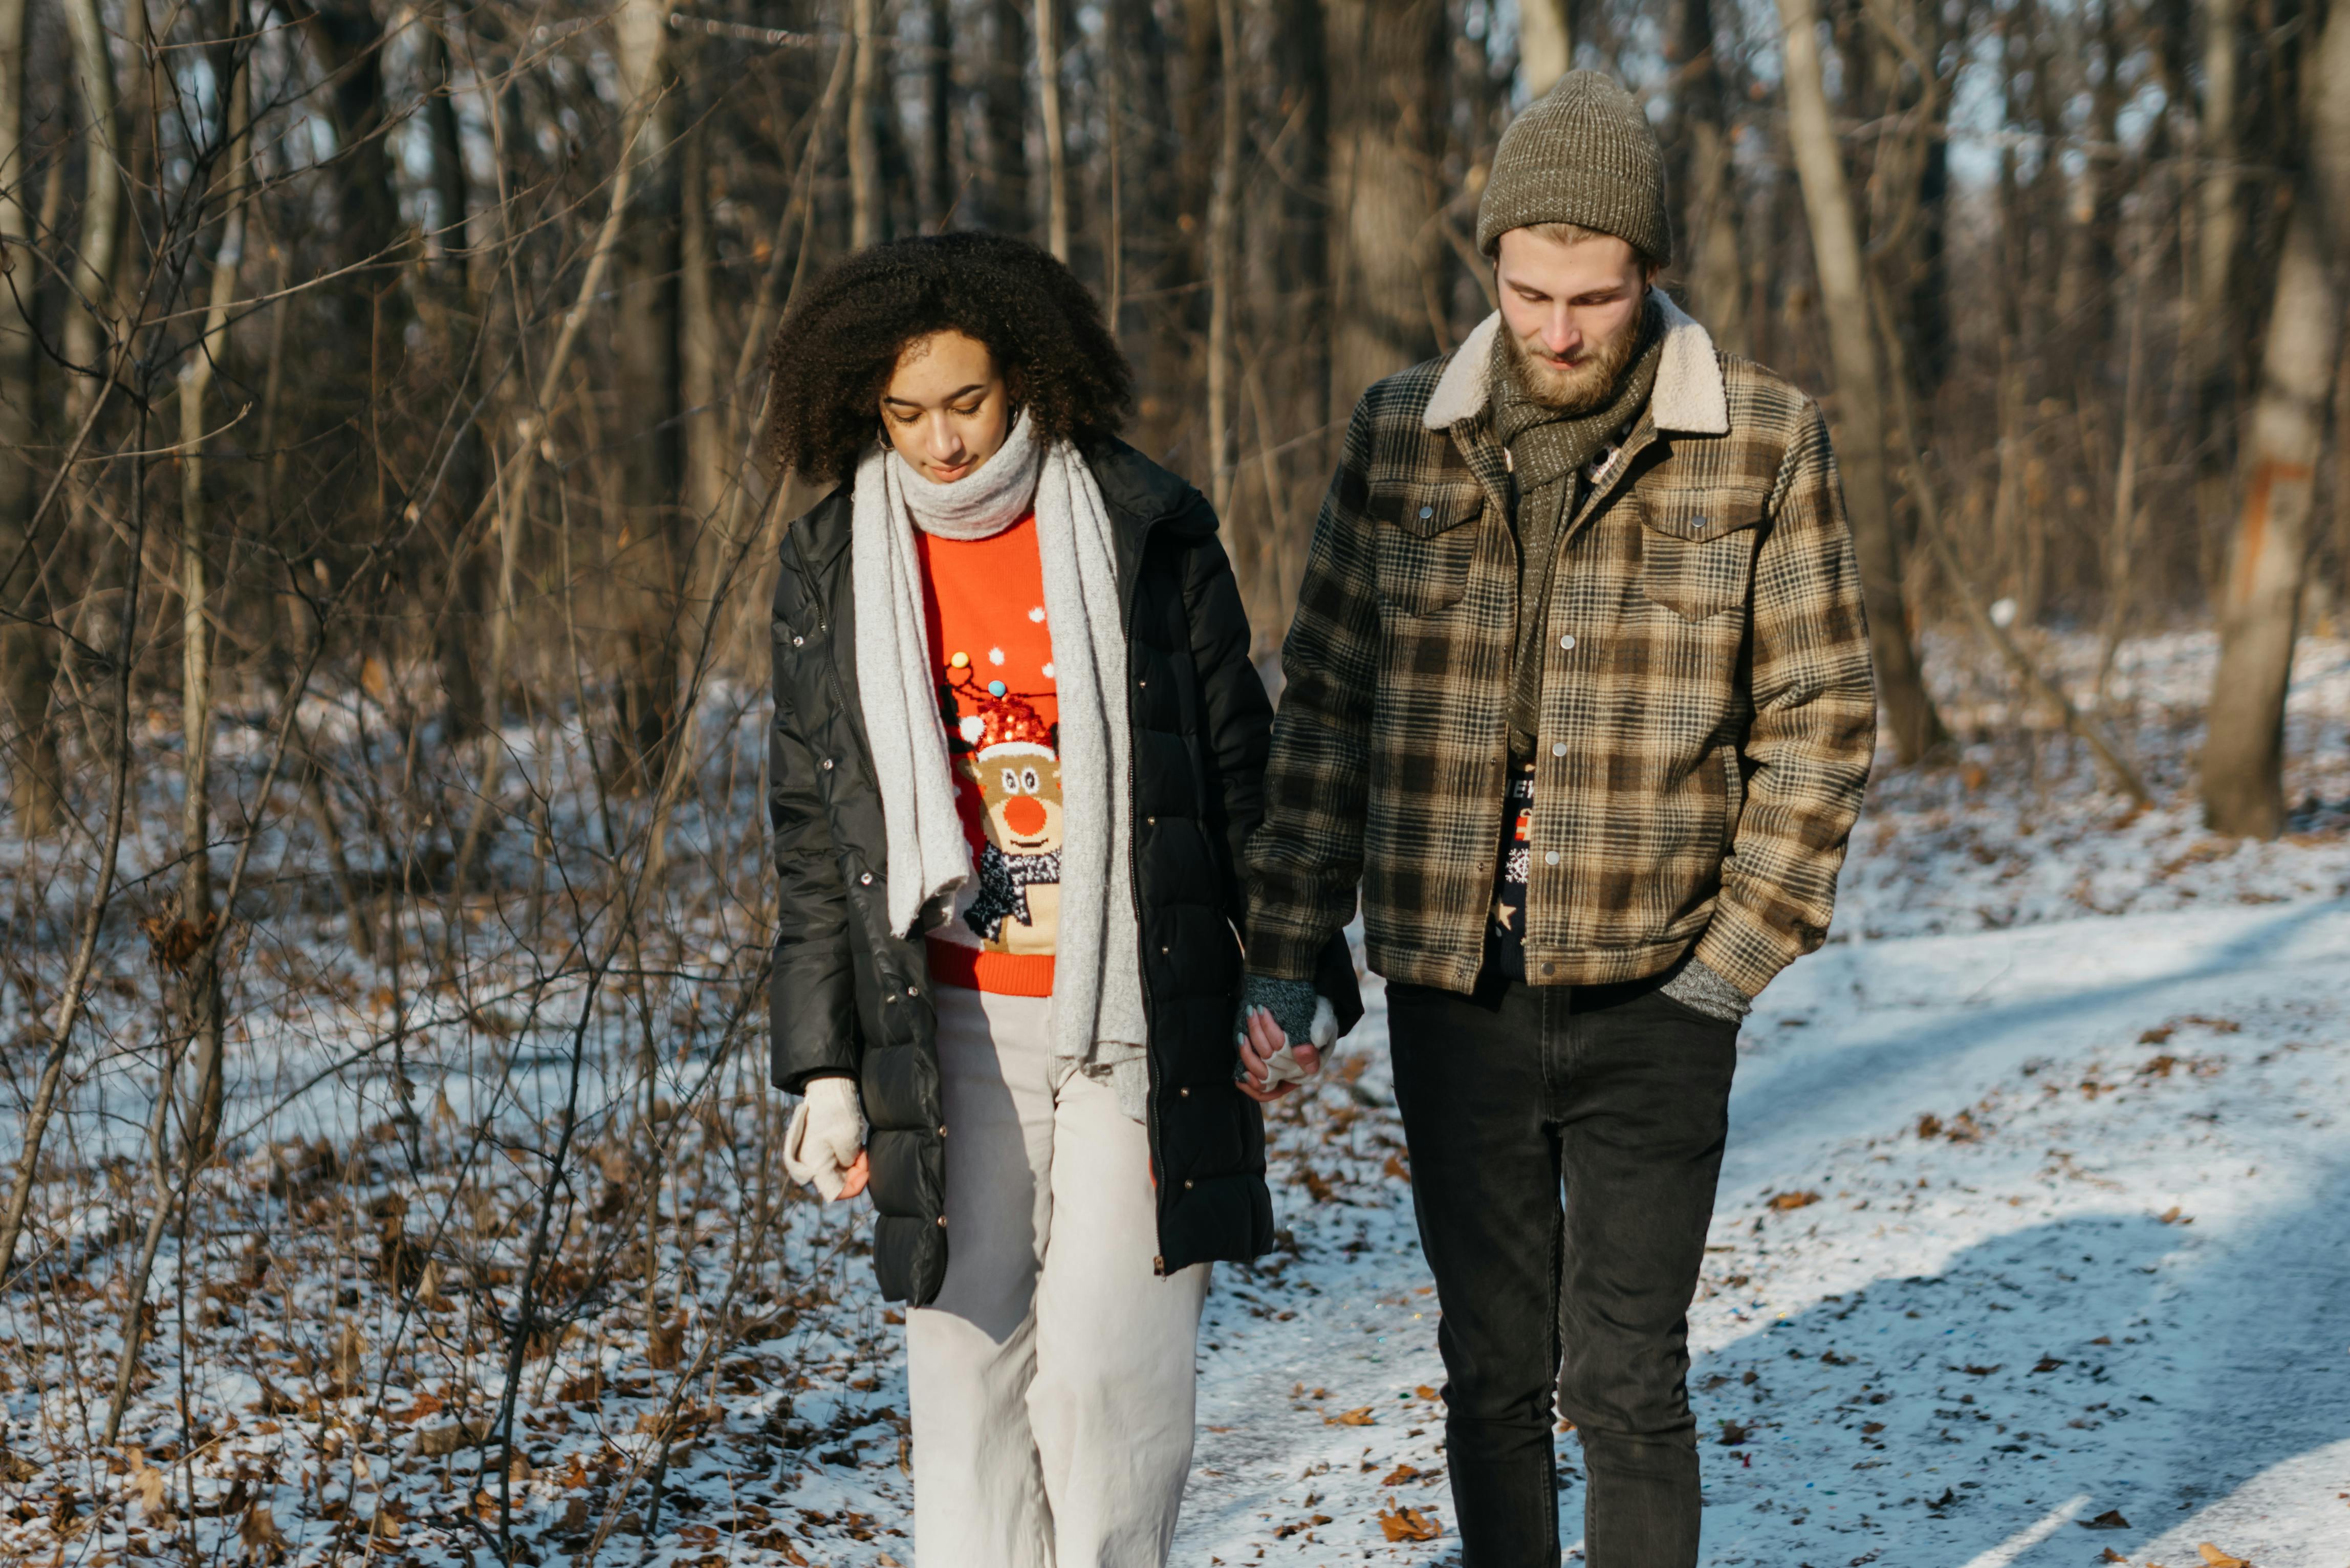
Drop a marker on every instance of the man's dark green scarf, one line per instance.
(1549, 454)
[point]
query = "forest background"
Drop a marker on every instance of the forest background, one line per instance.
(384, 548)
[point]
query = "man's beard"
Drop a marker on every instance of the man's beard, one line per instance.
(1587, 385)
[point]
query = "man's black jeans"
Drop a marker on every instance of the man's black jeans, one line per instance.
(1565, 1145)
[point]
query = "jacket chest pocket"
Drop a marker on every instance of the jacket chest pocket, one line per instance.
(1424, 545)
(1697, 552)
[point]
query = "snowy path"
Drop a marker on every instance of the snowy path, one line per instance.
(2115, 1283)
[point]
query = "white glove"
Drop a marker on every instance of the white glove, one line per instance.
(1282, 1067)
(825, 1136)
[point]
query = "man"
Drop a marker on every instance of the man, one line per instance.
(1578, 695)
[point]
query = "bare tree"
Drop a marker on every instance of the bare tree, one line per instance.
(1858, 408)
(2260, 615)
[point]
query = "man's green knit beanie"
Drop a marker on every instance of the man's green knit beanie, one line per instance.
(1585, 154)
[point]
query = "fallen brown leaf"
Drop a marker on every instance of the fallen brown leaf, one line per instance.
(1407, 1523)
(2110, 1555)
(2110, 1519)
(1786, 1201)
(1359, 1417)
(259, 1534)
(2212, 1555)
(1399, 1475)
(2174, 1215)
(1974, 1371)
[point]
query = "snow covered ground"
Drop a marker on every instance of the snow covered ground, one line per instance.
(2033, 1244)
(2109, 1279)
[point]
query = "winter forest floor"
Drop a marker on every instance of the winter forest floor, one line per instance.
(2033, 1246)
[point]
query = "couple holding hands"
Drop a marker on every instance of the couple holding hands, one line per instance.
(1577, 704)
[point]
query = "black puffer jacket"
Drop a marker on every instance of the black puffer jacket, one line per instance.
(849, 994)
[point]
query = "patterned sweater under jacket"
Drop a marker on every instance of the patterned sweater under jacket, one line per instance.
(1708, 711)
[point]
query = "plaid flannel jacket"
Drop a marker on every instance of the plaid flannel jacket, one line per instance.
(1708, 711)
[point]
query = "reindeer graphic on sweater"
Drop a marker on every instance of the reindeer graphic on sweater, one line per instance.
(1014, 769)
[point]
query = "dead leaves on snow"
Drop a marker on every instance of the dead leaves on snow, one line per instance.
(1409, 1524)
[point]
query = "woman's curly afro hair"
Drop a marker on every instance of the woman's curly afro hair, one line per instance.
(834, 354)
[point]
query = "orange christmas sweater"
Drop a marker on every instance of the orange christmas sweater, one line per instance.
(984, 607)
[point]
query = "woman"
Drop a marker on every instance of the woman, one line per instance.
(1017, 750)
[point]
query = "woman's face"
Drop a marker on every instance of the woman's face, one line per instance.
(946, 408)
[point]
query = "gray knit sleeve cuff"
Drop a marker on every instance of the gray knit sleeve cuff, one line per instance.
(1291, 1002)
(1700, 990)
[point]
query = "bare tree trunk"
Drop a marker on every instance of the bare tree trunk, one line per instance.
(2243, 752)
(1223, 220)
(457, 623)
(1381, 115)
(1302, 67)
(707, 458)
(200, 994)
(1004, 99)
(350, 39)
(1545, 44)
(89, 315)
(648, 551)
(1717, 283)
(864, 160)
(2219, 217)
(938, 77)
(1859, 402)
(27, 662)
(1049, 94)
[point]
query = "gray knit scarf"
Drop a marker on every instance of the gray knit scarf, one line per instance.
(1099, 1024)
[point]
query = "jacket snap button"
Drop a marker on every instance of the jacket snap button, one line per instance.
(942, 1221)
(798, 642)
(1183, 1094)
(867, 879)
(942, 1132)
(1567, 642)
(913, 991)
(1550, 856)
(1428, 512)
(1162, 949)
(1187, 1186)
(1558, 748)
(826, 764)
(1149, 822)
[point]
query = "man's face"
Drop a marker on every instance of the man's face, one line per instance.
(1572, 310)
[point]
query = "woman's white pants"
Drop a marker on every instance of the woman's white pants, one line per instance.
(1052, 1379)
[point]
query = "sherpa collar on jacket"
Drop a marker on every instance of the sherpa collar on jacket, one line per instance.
(1690, 397)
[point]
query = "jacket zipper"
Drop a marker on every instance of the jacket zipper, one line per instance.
(1141, 958)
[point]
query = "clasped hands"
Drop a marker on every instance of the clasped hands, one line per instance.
(824, 1146)
(1273, 1059)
